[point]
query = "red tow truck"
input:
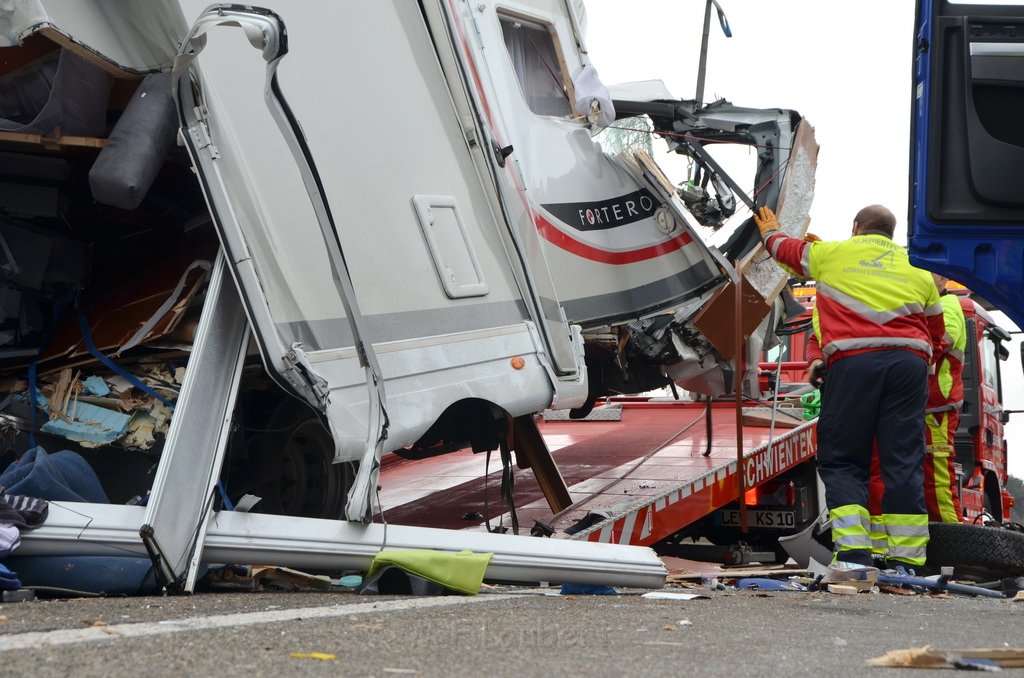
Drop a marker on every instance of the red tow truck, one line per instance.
(980, 446)
(659, 471)
(665, 473)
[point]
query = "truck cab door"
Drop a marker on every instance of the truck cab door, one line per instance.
(967, 160)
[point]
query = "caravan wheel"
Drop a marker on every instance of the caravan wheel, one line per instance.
(301, 476)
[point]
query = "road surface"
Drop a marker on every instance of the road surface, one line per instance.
(506, 632)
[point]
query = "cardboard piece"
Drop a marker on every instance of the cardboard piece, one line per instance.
(716, 320)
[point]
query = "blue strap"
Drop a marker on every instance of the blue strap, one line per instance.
(224, 496)
(110, 364)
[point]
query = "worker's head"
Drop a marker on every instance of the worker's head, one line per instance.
(874, 219)
(940, 281)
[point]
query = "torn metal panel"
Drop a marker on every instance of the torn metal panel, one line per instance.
(793, 210)
(688, 128)
(182, 492)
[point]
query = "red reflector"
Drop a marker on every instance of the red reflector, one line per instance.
(750, 497)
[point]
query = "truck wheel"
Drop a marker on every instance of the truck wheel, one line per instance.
(976, 547)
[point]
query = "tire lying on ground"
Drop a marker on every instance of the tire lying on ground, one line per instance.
(976, 546)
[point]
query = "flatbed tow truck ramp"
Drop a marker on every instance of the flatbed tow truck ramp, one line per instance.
(645, 477)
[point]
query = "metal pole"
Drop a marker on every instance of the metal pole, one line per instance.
(703, 56)
(739, 363)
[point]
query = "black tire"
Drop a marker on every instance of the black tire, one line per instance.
(297, 463)
(975, 547)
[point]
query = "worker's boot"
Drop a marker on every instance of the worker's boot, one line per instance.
(860, 557)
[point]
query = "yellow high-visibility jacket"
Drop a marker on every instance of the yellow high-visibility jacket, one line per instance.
(869, 297)
(946, 386)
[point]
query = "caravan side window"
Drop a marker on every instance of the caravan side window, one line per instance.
(538, 66)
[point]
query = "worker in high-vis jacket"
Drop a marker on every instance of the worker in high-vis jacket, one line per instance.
(879, 322)
(942, 414)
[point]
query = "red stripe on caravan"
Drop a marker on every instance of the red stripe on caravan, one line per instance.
(472, 62)
(548, 230)
(561, 239)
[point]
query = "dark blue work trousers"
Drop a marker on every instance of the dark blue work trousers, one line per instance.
(867, 397)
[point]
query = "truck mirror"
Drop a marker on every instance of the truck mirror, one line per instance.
(998, 333)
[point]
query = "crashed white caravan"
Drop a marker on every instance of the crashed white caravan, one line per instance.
(402, 207)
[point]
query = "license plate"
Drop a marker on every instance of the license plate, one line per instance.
(769, 519)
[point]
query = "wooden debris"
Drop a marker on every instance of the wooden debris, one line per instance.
(54, 141)
(897, 590)
(932, 658)
(843, 589)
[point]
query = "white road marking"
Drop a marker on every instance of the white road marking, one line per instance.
(36, 639)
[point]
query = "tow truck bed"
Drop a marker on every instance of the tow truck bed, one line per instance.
(646, 474)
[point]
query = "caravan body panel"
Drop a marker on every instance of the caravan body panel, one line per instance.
(611, 250)
(398, 191)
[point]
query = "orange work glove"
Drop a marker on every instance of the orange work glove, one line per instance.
(810, 237)
(765, 221)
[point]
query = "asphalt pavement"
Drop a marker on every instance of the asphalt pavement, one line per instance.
(508, 631)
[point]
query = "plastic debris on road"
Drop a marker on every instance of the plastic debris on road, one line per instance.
(322, 656)
(673, 595)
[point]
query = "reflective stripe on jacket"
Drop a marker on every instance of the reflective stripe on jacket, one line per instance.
(869, 297)
(945, 387)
